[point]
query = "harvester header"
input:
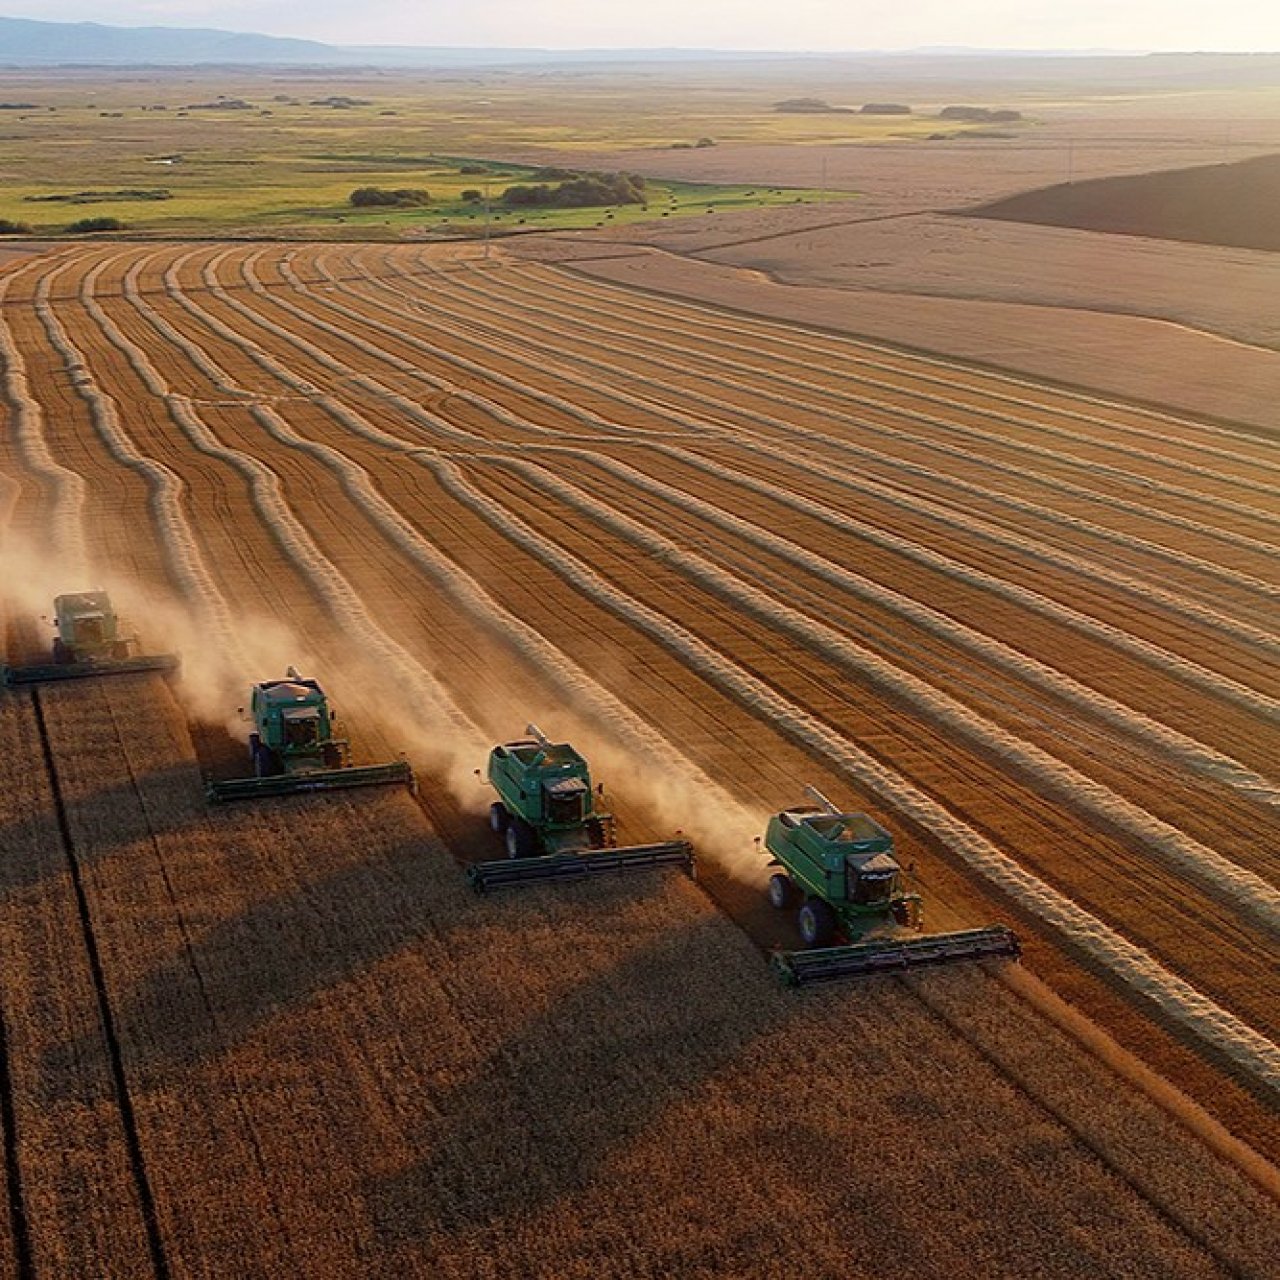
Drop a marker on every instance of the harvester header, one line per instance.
(840, 868)
(552, 822)
(89, 642)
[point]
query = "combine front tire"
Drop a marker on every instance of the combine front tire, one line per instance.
(499, 818)
(519, 838)
(61, 654)
(781, 891)
(817, 923)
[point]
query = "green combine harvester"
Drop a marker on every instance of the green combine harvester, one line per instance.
(550, 824)
(293, 747)
(89, 643)
(840, 869)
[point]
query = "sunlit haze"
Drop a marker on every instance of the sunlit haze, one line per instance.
(725, 24)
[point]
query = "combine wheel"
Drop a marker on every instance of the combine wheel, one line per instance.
(817, 923)
(908, 915)
(520, 842)
(781, 891)
(499, 818)
(61, 654)
(264, 762)
(331, 755)
(120, 649)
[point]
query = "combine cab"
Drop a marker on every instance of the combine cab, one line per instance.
(89, 643)
(549, 821)
(840, 871)
(293, 747)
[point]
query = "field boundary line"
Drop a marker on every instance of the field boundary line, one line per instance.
(24, 1257)
(972, 367)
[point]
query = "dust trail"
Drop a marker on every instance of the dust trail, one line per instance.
(381, 672)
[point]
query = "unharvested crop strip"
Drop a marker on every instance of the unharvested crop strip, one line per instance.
(560, 286)
(984, 530)
(120, 1084)
(1193, 672)
(1247, 1048)
(990, 497)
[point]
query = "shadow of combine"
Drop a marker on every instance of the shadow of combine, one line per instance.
(569, 1090)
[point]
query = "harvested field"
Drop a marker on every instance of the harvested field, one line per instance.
(1031, 629)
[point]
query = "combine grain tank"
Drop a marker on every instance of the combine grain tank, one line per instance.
(855, 914)
(89, 642)
(293, 747)
(551, 823)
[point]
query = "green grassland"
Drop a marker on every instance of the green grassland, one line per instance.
(285, 163)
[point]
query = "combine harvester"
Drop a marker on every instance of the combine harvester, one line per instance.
(841, 869)
(547, 817)
(89, 643)
(293, 748)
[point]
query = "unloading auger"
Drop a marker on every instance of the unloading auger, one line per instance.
(855, 914)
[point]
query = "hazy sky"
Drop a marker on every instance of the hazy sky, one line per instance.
(729, 24)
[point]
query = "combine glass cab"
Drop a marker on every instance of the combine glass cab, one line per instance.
(88, 628)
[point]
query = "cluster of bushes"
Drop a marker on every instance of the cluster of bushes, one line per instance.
(11, 228)
(810, 106)
(577, 190)
(88, 225)
(885, 109)
(982, 114)
(101, 197)
(381, 198)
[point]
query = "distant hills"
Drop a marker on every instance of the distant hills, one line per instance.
(27, 42)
